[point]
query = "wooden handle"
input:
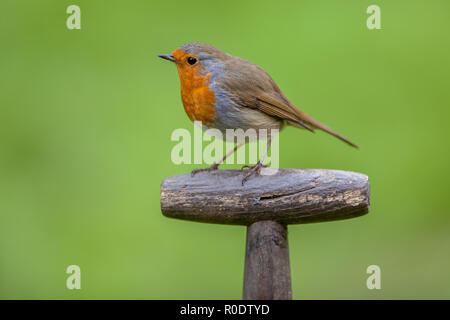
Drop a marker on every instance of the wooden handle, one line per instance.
(267, 274)
(288, 197)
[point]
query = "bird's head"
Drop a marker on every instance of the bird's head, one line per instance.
(196, 59)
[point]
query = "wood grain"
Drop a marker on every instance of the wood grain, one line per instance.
(267, 274)
(290, 196)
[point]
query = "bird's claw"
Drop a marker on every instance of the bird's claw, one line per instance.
(250, 167)
(209, 169)
(256, 169)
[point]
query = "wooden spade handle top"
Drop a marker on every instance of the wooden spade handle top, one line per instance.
(290, 196)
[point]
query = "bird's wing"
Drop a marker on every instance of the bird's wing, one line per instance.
(270, 105)
(274, 106)
(253, 88)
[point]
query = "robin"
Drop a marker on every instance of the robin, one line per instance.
(227, 92)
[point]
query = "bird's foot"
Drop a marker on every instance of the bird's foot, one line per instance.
(256, 169)
(214, 167)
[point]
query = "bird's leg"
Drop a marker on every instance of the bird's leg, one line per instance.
(216, 165)
(256, 169)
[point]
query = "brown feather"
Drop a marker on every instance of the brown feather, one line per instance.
(252, 87)
(308, 119)
(278, 109)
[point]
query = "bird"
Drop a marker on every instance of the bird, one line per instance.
(227, 92)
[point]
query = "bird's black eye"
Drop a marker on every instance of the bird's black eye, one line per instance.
(191, 61)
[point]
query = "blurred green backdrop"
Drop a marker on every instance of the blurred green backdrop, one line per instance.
(85, 123)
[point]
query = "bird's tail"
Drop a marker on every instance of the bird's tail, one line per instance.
(316, 124)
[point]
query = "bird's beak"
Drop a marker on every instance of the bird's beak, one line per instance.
(169, 57)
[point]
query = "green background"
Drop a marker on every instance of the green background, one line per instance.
(85, 123)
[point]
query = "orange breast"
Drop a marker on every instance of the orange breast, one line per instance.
(198, 99)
